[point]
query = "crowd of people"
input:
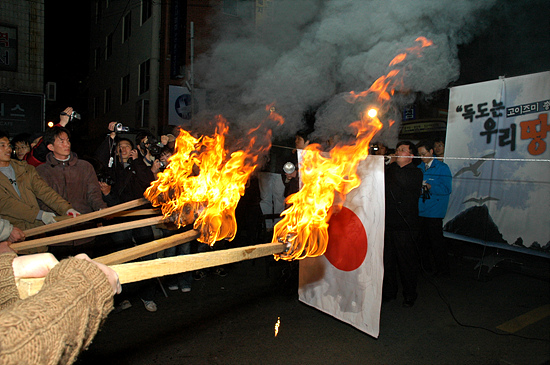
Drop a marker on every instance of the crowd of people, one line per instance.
(43, 178)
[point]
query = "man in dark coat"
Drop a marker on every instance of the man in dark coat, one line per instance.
(403, 184)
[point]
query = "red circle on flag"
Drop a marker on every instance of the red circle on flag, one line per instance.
(347, 241)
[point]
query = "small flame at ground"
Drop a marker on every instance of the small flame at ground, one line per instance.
(277, 325)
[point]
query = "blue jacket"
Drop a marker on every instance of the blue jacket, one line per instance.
(440, 178)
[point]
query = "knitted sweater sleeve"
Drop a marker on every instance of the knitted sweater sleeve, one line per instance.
(54, 325)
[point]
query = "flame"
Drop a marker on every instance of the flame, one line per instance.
(277, 326)
(328, 179)
(204, 182)
(398, 59)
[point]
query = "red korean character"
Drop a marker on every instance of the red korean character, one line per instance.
(529, 130)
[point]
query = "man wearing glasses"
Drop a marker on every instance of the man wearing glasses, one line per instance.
(403, 184)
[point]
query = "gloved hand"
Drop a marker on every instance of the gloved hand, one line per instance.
(48, 218)
(72, 212)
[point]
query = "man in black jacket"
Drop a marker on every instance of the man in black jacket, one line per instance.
(403, 184)
(131, 177)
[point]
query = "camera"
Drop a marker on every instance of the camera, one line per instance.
(101, 177)
(425, 192)
(152, 146)
(289, 168)
(119, 127)
(73, 115)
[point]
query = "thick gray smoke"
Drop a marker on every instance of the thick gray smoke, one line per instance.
(312, 52)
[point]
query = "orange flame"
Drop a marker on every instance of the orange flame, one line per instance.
(328, 179)
(277, 325)
(203, 182)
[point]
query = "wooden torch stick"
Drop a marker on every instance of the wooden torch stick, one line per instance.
(133, 213)
(85, 233)
(137, 271)
(85, 217)
(145, 249)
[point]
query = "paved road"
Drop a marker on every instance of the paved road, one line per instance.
(230, 320)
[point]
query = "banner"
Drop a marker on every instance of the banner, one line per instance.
(496, 149)
(346, 282)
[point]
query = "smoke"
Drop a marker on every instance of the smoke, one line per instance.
(312, 52)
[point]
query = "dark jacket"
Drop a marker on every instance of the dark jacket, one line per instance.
(403, 189)
(130, 182)
(75, 180)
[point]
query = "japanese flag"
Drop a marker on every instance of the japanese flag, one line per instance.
(346, 282)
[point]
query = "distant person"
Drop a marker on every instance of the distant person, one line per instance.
(21, 145)
(292, 180)
(380, 149)
(21, 186)
(403, 183)
(439, 148)
(432, 205)
(54, 326)
(130, 178)
(37, 155)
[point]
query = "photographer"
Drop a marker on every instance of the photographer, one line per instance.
(37, 155)
(130, 177)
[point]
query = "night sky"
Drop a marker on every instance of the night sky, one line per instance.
(66, 52)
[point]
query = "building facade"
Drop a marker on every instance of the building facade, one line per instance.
(21, 65)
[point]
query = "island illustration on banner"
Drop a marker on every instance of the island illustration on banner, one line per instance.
(346, 282)
(497, 151)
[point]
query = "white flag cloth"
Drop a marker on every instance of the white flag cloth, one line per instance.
(346, 282)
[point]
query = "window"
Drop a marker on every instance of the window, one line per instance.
(142, 113)
(126, 27)
(108, 46)
(97, 58)
(146, 9)
(98, 10)
(124, 89)
(95, 107)
(144, 76)
(107, 100)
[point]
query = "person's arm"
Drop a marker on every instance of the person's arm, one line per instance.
(54, 325)
(17, 209)
(5, 229)
(44, 192)
(441, 184)
(103, 152)
(94, 196)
